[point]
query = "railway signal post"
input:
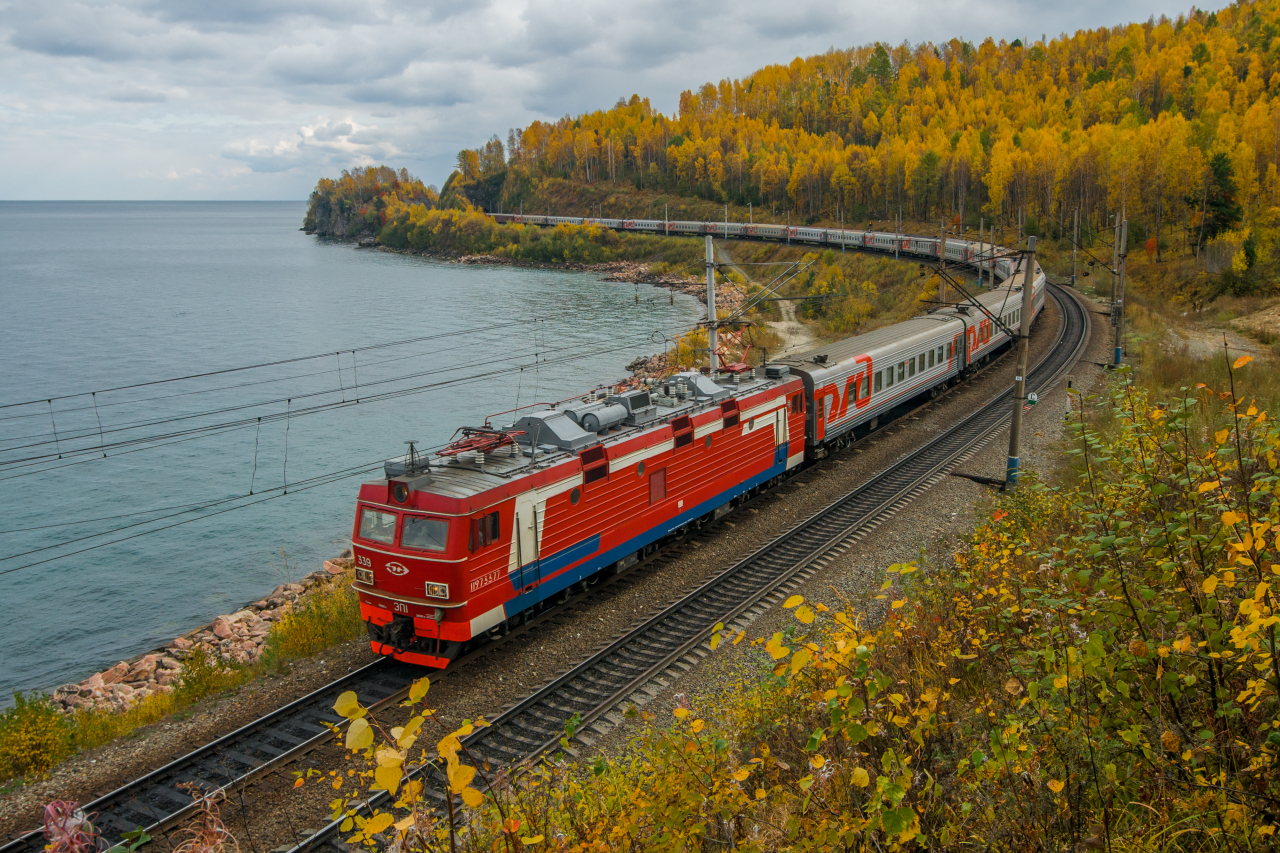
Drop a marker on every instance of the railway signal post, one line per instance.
(1020, 372)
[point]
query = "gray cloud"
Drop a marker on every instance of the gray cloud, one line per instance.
(259, 98)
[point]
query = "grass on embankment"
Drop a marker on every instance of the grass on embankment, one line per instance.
(35, 736)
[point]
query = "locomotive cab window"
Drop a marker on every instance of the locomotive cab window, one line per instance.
(424, 534)
(484, 530)
(377, 526)
(797, 404)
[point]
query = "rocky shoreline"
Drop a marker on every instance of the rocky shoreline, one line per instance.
(236, 638)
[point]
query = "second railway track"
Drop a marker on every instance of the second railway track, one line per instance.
(628, 668)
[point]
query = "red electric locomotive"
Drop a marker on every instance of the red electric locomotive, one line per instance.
(450, 550)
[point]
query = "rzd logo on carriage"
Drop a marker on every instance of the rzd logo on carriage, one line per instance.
(397, 569)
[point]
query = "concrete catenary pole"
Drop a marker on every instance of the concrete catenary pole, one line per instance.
(1020, 372)
(942, 260)
(981, 249)
(711, 305)
(1122, 249)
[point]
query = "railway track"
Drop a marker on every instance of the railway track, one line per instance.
(635, 667)
(626, 668)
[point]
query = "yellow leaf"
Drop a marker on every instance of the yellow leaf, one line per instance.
(740, 637)
(715, 641)
(298, 784)
(1013, 687)
(805, 615)
(793, 601)
(817, 762)
(899, 604)
(741, 774)
(953, 681)
(419, 690)
(471, 797)
(680, 713)
(346, 826)
(1208, 487)
(410, 733)
(697, 726)
(378, 824)
(860, 777)
(347, 704)
(1230, 518)
(1055, 786)
(1241, 362)
(760, 793)
(1260, 591)
(460, 777)
(1209, 585)
(359, 735)
(800, 658)
(533, 839)
(387, 778)
(402, 825)
(1060, 682)
(1221, 436)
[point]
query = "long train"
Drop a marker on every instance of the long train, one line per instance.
(508, 517)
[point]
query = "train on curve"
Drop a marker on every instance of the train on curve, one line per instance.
(510, 516)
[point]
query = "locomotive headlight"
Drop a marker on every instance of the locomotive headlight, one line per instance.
(364, 575)
(399, 493)
(437, 590)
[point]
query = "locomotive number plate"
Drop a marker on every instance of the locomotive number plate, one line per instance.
(484, 580)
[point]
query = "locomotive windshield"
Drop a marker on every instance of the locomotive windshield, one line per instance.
(424, 534)
(377, 526)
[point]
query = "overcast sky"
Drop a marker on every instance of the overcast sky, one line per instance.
(256, 99)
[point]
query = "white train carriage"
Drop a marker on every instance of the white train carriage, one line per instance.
(855, 382)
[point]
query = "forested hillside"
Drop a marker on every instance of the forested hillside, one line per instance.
(1173, 122)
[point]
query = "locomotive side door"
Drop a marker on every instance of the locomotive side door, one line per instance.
(523, 565)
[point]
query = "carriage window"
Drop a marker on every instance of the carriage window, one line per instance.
(949, 345)
(911, 367)
(879, 380)
(866, 386)
(921, 360)
(378, 526)
(424, 534)
(931, 355)
(902, 370)
(939, 355)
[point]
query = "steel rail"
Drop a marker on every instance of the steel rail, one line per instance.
(663, 643)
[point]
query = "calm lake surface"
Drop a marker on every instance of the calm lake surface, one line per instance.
(99, 295)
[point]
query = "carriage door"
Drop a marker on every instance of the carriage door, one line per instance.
(523, 566)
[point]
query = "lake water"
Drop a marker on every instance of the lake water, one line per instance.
(101, 295)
